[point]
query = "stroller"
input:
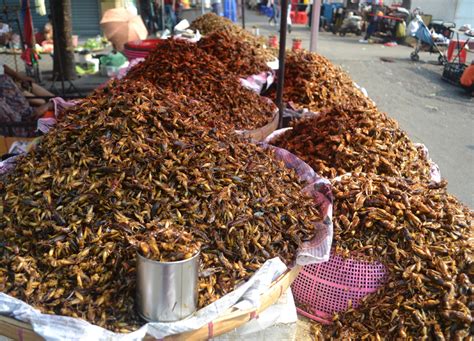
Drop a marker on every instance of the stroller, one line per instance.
(426, 42)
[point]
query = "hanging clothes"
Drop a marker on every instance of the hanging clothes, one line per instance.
(27, 23)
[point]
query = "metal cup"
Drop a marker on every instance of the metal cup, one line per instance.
(167, 291)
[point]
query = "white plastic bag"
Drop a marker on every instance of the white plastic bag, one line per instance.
(414, 26)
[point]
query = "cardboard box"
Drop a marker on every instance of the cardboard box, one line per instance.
(6, 142)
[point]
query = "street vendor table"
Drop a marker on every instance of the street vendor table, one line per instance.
(457, 48)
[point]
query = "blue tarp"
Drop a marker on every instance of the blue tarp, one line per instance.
(328, 10)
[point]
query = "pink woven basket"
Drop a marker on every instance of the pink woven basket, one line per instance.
(324, 289)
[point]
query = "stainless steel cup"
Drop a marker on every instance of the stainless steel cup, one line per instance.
(167, 291)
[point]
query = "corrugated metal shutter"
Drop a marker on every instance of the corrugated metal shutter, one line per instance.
(85, 16)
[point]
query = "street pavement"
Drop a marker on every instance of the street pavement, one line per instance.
(431, 111)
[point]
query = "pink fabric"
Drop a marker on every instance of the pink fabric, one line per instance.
(60, 105)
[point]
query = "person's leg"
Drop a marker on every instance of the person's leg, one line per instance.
(278, 17)
(289, 18)
(370, 30)
(168, 16)
(239, 8)
(173, 17)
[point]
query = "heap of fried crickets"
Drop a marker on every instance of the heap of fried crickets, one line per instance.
(422, 235)
(391, 213)
(238, 55)
(166, 244)
(211, 23)
(184, 68)
(342, 140)
(126, 163)
(314, 83)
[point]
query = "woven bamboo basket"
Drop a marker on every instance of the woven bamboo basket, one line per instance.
(229, 321)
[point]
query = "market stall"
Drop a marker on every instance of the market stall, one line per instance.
(157, 167)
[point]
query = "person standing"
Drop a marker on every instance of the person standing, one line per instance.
(275, 6)
(170, 14)
(230, 10)
(374, 21)
(216, 7)
(288, 18)
(157, 15)
(145, 13)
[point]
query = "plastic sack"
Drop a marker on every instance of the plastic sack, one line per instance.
(277, 322)
(246, 296)
(414, 26)
(259, 82)
(7, 165)
(113, 59)
(435, 172)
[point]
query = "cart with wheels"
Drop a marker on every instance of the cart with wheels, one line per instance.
(426, 43)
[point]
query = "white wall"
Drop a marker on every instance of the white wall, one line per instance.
(439, 9)
(464, 13)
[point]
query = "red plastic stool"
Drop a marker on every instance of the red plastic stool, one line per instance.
(302, 18)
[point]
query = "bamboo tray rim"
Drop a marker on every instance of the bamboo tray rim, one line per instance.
(230, 320)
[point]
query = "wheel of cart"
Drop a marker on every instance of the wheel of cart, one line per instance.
(442, 60)
(414, 56)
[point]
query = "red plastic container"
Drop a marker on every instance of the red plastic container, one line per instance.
(297, 45)
(301, 18)
(453, 50)
(140, 48)
(273, 41)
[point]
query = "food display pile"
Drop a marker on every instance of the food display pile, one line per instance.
(211, 23)
(185, 69)
(127, 163)
(342, 140)
(152, 165)
(237, 54)
(388, 208)
(422, 235)
(314, 83)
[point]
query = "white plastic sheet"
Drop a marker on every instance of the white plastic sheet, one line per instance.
(277, 322)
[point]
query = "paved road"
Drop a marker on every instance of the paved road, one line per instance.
(430, 110)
